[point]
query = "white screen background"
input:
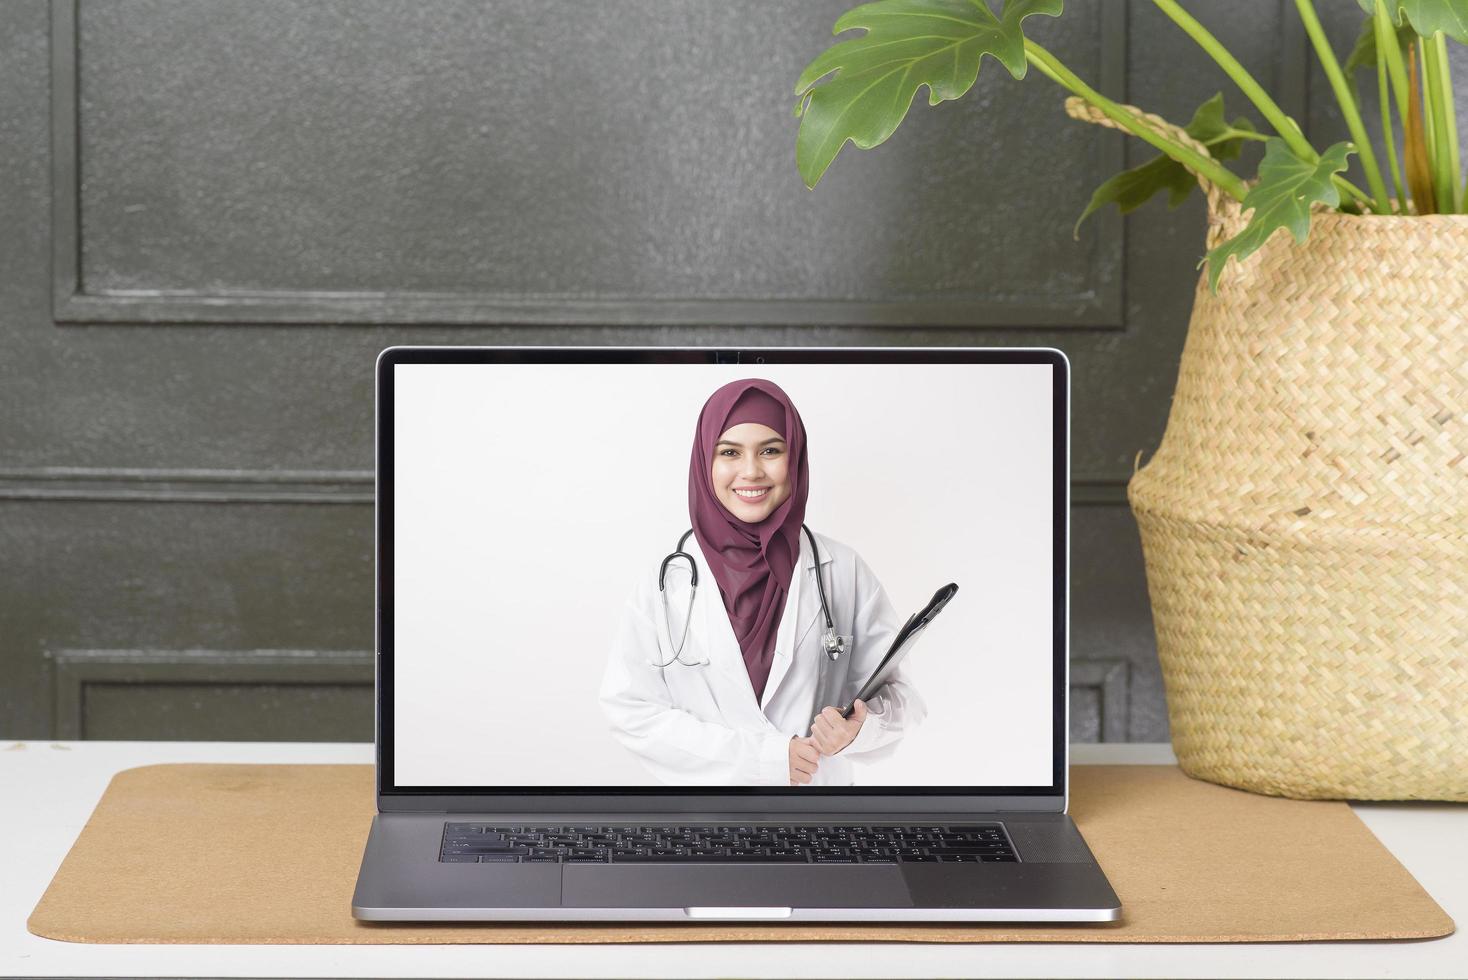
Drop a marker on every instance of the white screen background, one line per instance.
(529, 497)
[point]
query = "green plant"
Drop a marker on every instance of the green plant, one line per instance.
(860, 89)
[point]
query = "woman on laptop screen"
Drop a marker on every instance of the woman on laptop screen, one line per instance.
(733, 653)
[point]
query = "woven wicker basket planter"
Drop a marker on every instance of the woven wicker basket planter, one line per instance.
(1305, 520)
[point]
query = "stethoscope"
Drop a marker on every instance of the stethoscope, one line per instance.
(834, 645)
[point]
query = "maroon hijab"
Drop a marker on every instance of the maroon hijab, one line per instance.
(753, 563)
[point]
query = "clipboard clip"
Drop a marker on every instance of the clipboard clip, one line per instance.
(915, 624)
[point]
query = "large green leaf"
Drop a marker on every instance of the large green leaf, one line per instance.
(1427, 17)
(1363, 55)
(1281, 198)
(907, 44)
(1130, 189)
(1208, 126)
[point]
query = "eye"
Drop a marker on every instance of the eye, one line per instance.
(726, 452)
(772, 450)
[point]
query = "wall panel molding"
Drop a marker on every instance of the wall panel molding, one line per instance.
(1295, 54)
(188, 486)
(1098, 306)
(74, 671)
(1099, 491)
(1111, 680)
(114, 484)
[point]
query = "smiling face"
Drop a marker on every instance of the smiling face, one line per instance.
(750, 472)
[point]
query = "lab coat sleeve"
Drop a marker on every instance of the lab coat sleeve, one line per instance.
(897, 706)
(676, 746)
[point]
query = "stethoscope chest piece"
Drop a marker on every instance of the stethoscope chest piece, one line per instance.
(834, 645)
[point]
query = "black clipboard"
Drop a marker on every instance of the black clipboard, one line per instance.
(901, 644)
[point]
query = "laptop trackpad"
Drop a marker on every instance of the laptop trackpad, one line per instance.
(832, 886)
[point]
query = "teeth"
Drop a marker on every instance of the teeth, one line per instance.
(752, 494)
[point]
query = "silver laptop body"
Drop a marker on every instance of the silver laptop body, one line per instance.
(417, 864)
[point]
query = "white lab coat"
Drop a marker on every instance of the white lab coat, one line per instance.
(701, 725)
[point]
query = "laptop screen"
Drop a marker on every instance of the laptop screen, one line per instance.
(654, 570)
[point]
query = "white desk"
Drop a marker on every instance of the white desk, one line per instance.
(47, 791)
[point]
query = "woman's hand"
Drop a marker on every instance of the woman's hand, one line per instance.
(804, 759)
(831, 733)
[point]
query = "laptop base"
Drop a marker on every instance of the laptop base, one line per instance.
(1055, 880)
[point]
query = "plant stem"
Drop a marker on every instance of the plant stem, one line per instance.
(1450, 121)
(1390, 69)
(1443, 183)
(1205, 166)
(1286, 127)
(1351, 189)
(1416, 159)
(1236, 134)
(1423, 99)
(1387, 47)
(1386, 131)
(1348, 104)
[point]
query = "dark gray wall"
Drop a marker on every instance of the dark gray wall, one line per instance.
(217, 212)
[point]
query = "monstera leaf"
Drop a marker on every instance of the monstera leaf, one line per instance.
(907, 44)
(1286, 189)
(1130, 189)
(1427, 17)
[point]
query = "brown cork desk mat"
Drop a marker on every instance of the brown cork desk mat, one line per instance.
(251, 854)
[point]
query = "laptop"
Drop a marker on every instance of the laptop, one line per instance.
(627, 598)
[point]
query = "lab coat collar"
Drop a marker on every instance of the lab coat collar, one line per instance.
(807, 559)
(801, 611)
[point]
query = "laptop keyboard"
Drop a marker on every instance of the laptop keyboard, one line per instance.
(477, 843)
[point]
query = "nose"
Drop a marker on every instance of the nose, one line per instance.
(753, 467)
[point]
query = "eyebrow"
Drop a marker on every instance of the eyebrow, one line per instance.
(740, 445)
